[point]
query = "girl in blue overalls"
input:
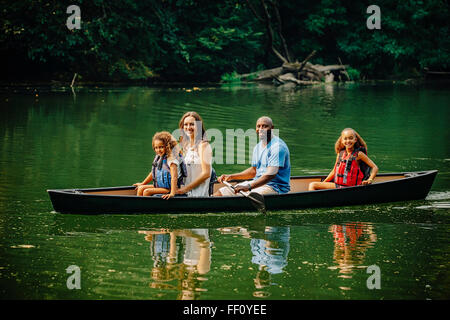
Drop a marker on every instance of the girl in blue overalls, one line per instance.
(168, 168)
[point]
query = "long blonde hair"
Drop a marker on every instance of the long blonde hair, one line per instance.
(339, 146)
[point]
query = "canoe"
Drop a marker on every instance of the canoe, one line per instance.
(387, 187)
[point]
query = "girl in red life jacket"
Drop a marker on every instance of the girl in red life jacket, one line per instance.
(167, 168)
(352, 164)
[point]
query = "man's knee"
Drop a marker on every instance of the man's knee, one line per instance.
(226, 191)
(265, 190)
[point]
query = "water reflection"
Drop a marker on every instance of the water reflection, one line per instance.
(181, 257)
(351, 241)
(270, 248)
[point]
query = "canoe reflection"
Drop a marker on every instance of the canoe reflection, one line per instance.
(180, 259)
(269, 248)
(351, 241)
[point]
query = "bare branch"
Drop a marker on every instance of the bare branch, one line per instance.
(270, 33)
(306, 60)
(254, 11)
(280, 34)
(345, 71)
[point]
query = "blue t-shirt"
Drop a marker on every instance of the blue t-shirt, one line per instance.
(272, 251)
(275, 154)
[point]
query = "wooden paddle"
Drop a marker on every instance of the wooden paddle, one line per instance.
(257, 199)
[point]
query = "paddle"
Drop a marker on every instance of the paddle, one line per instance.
(257, 199)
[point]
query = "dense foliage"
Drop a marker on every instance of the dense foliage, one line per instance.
(179, 40)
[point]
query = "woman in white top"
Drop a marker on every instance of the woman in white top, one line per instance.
(197, 155)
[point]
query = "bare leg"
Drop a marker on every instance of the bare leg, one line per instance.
(140, 189)
(152, 191)
(321, 185)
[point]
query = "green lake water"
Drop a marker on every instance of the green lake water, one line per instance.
(53, 138)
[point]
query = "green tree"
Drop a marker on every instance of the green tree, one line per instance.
(196, 40)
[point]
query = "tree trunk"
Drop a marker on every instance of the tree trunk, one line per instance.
(262, 75)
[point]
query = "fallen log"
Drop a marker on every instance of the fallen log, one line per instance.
(312, 76)
(332, 67)
(289, 77)
(345, 70)
(312, 69)
(293, 67)
(262, 75)
(296, 67)
(304, 62)
(439, 72)
(329, 78)
(299, 72)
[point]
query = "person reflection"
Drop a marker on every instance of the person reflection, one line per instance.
(270, 250)
(180, 258)
(351, 241)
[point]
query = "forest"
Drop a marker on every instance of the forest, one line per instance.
(209, 41)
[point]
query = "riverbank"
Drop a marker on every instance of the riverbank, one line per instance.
(192, 84)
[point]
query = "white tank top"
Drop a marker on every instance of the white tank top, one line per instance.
(194, 169)
(193, 247)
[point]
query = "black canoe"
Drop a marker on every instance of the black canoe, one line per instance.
(387, 187)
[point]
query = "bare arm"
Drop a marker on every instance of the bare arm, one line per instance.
(247, 174)
(173, 182)
(264, 179)
(330, 176)
(363, 157)
(146, 180)
(205, 154)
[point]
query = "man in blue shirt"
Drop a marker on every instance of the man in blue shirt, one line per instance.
(271, 166)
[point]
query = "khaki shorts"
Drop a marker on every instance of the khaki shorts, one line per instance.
(265, 189)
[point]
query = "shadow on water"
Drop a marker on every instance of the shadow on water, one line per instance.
(351, 241)
(328, 249)
(181, 260)
(399, 212)
(302, 254)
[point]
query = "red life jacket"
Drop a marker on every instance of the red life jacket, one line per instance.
(348, 172)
